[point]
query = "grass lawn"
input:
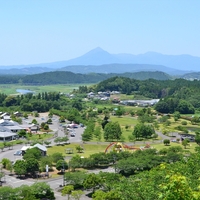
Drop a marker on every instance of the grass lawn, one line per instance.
(88, 149)
(43, 136)
(190, 147)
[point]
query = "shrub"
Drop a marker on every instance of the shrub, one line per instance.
(184, 123)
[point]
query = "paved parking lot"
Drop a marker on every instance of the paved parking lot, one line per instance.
(56, 127)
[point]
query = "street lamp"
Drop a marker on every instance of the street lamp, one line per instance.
(63, 173)
(114, 158)
(1, 174)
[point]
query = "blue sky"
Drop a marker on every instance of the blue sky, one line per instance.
(39, 31)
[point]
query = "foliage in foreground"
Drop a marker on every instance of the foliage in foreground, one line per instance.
(36, 191)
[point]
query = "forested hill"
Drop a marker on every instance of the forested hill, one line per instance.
(192, 76)
(61, 77)
(175, 95)
(144, 75)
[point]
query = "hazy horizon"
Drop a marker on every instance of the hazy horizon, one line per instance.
(34, 31)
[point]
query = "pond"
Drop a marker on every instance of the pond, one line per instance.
(23, 91)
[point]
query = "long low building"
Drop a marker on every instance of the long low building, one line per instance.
(9, 129)
(141, 103)
(7, 135)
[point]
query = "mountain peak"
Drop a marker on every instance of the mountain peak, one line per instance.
(97, 50)
(152, 53)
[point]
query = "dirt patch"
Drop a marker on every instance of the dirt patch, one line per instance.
(43, 114)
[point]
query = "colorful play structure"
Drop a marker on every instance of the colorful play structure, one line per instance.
(118, 147)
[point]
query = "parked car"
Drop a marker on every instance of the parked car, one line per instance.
(81, 125)
(18, 153)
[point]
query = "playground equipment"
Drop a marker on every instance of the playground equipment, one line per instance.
(118, 147)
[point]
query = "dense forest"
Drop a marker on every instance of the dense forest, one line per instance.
(63, 77)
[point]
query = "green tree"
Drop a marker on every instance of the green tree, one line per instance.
(111, 195)
(7, 192)
(197, 137)
(22, 133)
(76, 194)
(24, 192)
(176, 116)
(97, 132)
(143, 131)
(67, 190)
(75, 178)
(49, 121)
(112, 131)
(36, 114)
(62, 119)
(184, 107)
(105, 121)
(57, 156)
(20, 167)
(32, 165)
(46, 127)
(25, 115)
(119, 111)
(58, 140)
(185, 142)
(108, 180)
(75, 162)
(32, 153)
(132, 138)
(166, 142)
(42, 125)
(79, 148)
(61, 165)
(34, 121)
(42, 190)
(154, 136)
(46, 160)
(177, 188)
(92, 181)
(47, 143)
(195, 120)
(64, 139)
(5, 162)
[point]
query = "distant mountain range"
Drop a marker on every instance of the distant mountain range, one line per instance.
(100, 61)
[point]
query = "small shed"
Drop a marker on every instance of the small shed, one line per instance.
(42, 148)
(69, 150)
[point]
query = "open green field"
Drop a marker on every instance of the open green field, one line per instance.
(190, 147)
(64, 88)
(88, 149)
